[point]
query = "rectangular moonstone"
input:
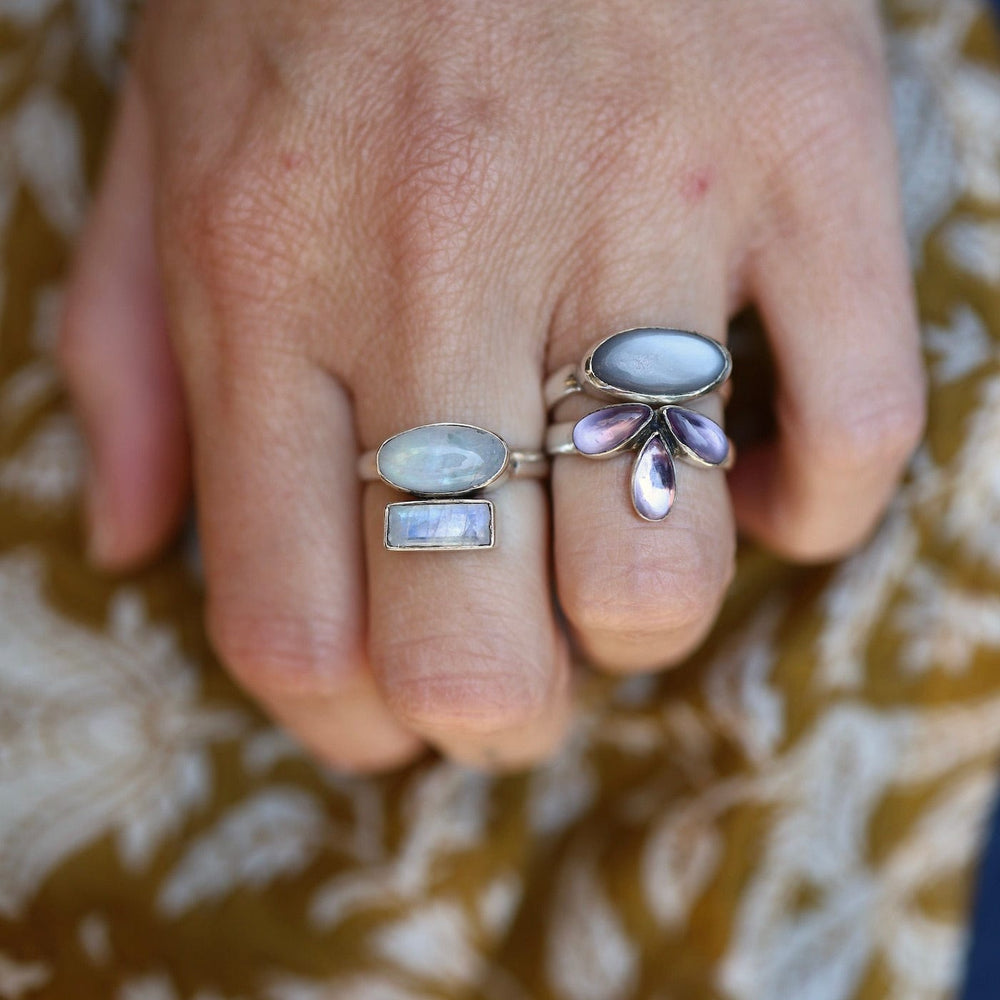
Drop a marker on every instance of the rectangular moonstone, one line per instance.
(439, 524)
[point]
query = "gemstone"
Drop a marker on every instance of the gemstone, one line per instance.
(439, 524)
(697, 434)
(442, 459)
(609, 428)
(653, 481)
(664, 365)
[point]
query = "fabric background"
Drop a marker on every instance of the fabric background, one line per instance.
(983, 972)
(794, 813)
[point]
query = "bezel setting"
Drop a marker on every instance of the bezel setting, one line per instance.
(493, 480)
(462, 545)
(627, 442)
(589, 379)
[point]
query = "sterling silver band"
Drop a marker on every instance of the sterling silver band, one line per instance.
(561, 384)
(520, 465)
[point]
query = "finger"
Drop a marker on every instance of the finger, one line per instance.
(834, 288)
(465, 644)
(278, 513)
(642, 595)
(121, 373)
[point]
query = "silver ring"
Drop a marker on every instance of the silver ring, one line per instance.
(648, 371)
(445, 467)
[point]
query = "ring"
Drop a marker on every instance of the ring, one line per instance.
(651, 370)
(445, 467)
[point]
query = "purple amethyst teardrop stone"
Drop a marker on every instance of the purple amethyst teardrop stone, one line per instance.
(653, 481)
(609, 428)
(697, 434)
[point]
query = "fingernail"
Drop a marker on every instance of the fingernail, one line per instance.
(100, 528)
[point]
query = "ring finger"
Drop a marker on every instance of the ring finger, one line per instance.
(641, 595)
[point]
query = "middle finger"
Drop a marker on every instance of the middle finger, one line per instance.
(465, 644)
(641, 595)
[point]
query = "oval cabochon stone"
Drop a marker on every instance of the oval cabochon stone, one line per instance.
(663, 365)
(442, 459)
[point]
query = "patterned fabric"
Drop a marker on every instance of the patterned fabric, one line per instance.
(793, 814)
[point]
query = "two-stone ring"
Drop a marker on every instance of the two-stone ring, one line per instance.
(446, 467)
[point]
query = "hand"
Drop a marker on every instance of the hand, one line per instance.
(324, 222)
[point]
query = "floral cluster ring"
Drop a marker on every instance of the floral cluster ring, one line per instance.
(651, 371)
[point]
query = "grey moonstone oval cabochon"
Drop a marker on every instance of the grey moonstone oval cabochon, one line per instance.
(442, 459)
(659, 363)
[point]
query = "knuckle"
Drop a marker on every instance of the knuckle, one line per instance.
(872, 430)
(652, 593)
(444, 195)
(241, 237)
(462, 684)
(279, 657)
(448, 154)
(822, 92)
(241, 230)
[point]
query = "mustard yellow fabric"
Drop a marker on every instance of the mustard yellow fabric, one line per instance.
(793, 815)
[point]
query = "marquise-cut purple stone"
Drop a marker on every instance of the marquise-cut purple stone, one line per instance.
(606, 429)
(699, 434)
(653, 481)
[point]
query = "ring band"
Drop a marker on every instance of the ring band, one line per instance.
(445, 467)
(646, 373)
(520, 465)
